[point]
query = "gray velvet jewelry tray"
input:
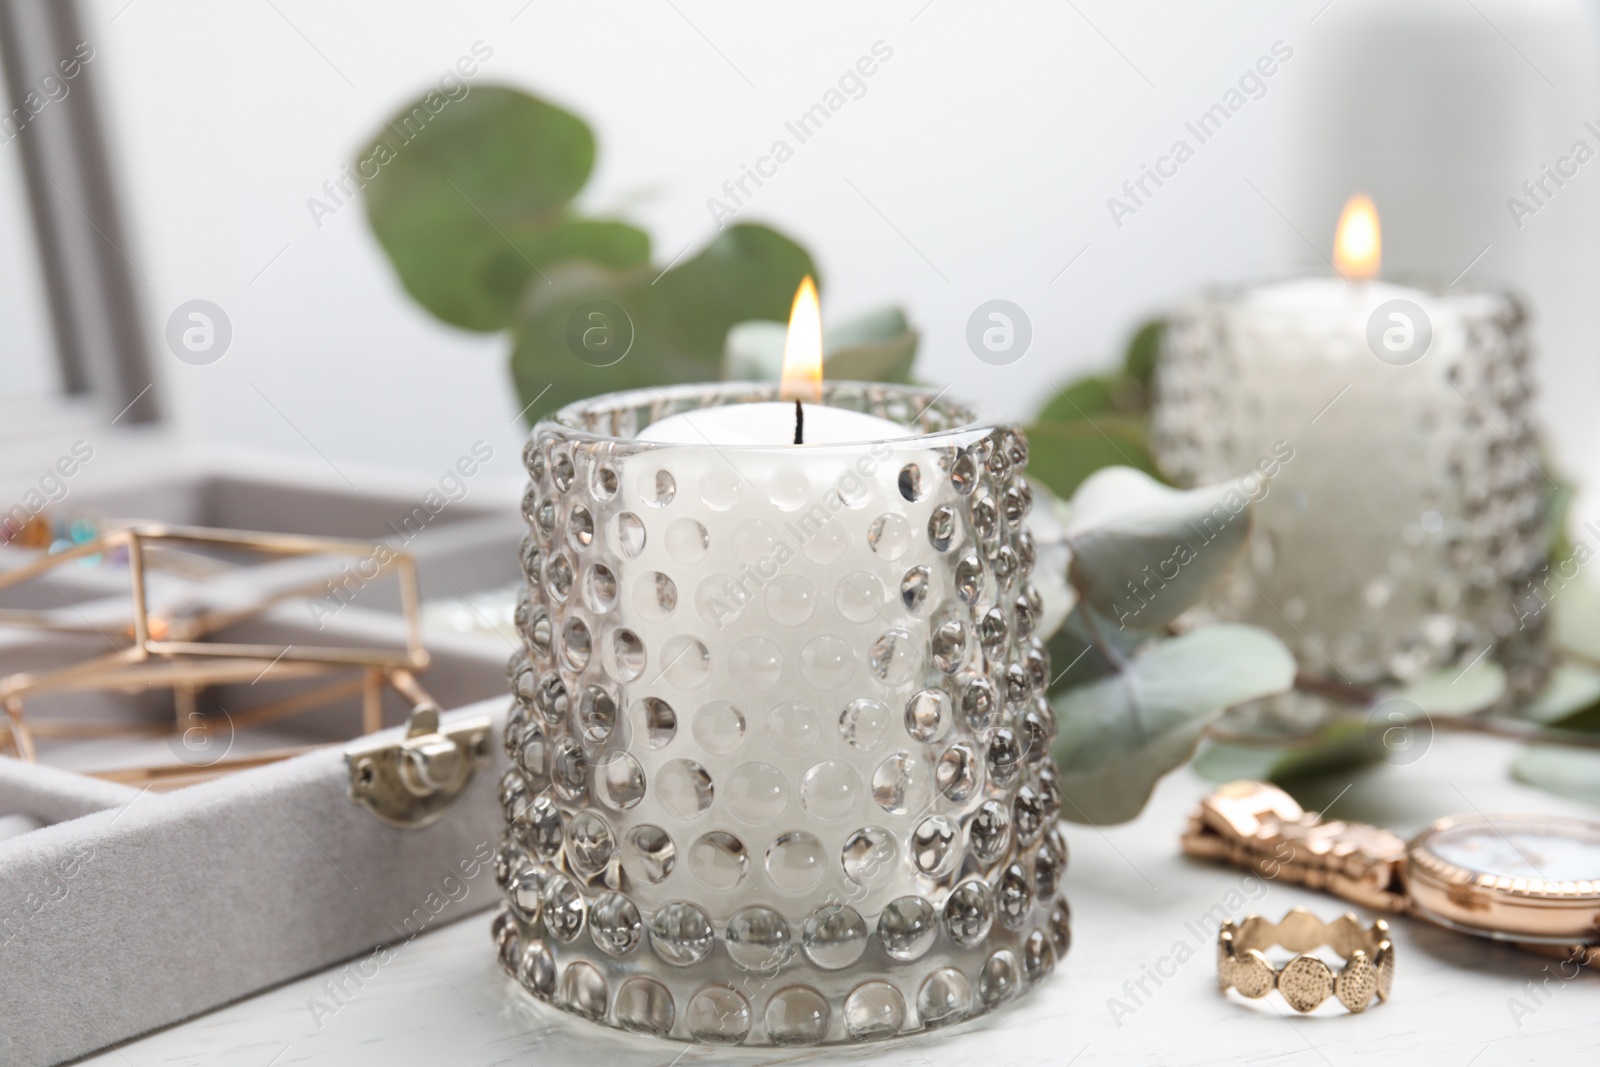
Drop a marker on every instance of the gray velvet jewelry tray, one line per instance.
(135, 909)
(131, 909)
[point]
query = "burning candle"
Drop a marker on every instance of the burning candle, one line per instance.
(780, 733)
(801, 418)
(1400, 509)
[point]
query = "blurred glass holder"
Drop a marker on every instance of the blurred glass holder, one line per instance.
(1402, 513)
(166, 640)
(781, 742)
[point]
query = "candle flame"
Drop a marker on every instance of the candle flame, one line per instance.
(802, 348)
(1358, 242)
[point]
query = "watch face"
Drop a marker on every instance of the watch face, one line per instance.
(1557, 850)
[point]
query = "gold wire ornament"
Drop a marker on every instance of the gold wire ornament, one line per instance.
(168, 649)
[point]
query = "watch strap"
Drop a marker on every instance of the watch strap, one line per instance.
(1258, 826)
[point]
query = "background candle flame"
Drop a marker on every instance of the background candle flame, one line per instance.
(802, 348)
(1358, 242)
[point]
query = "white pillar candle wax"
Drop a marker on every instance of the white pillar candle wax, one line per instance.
(771, 424)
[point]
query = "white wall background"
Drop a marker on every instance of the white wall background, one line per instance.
(28, 367)
(977, 166)
(990, 141)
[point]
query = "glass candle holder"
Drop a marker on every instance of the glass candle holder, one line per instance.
(781, 742)
(1401, 513)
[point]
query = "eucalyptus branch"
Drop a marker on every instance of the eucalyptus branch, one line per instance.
(1230, 737)
(1491, 726)
(1343, 692)
(1517, 730)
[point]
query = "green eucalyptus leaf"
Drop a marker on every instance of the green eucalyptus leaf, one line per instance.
(753, 351)
(1047, 523)
(550, 372)
(883, 361)
(1575, 619)
(1349, 741)
(1342, 745)
(1082, 399)
(1453, 691)
(1062, 456)
(1573, 687)
(1074, 660)
(1112, 491)
(668, 320)
(1144, 351)
(1115, 395)
(1123, 392)
(1225, 761)
(877, 347)
(525, 260)
(1077, 658)
(464, 200)
(746, 272)
(1117, 736)
(604, 241)
(1573, 773)
(1143, 554)
(1558, 499)
(874, 327)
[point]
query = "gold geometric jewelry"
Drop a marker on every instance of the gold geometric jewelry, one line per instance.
(168, 644)
(1306, 981)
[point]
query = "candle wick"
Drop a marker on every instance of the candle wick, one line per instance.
(799, 424)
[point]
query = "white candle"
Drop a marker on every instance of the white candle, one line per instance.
(772, 423)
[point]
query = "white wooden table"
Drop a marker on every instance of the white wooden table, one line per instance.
(1137, 905)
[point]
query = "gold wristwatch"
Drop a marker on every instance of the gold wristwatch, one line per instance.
(1529, 879)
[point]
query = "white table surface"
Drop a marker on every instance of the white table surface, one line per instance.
(442, 999)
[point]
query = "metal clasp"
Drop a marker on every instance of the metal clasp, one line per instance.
(412, 782)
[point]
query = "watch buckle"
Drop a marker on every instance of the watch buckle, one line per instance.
(1235, 814)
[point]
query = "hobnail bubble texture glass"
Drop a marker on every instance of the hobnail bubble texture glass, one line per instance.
(1404, 535)
(781, 743)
